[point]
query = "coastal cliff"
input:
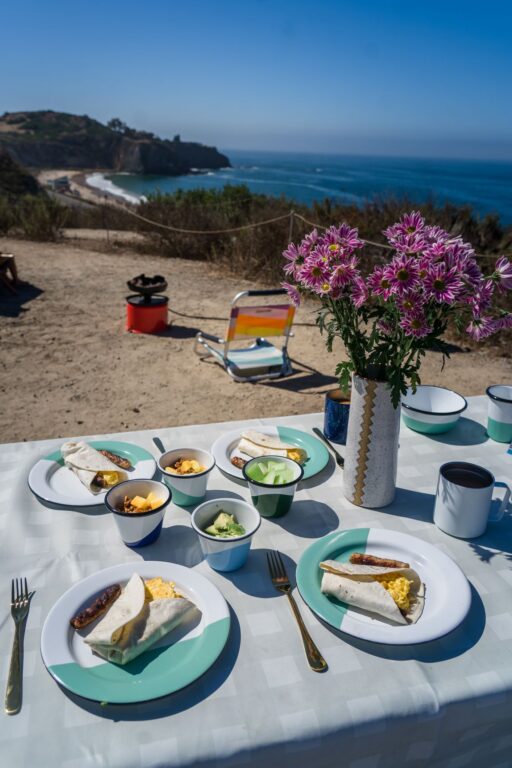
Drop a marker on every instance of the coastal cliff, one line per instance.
(49, 139)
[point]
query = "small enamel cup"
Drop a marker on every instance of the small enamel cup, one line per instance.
(187, 490)
(464, 499)
(499, 418)
(137, 529)
(273, 500)
(336, 413)
(225, 554)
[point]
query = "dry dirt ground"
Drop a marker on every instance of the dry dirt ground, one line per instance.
(68, 367)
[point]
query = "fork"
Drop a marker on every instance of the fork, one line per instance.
(282, 583)
(20, 603)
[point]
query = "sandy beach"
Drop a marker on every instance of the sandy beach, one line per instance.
(80, 187)
(68, 367)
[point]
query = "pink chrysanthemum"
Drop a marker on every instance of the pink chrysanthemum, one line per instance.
(402, 273)
(415, 324)
(504, 322)
(385, 327)
(344, 273)
(309, 241)
(503, 274)
(407, 235)
(442, 284)
(410, 301)
(379, 284)
(344, 236)
(481, 298)
(292, 292)
(434, 234)
(314, 272)
(294, 258)
(409, 224)
(359, 292)
(481, 327)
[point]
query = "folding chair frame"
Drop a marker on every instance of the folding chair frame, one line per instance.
(202, 340)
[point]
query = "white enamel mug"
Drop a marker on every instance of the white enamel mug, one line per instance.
(464, 499)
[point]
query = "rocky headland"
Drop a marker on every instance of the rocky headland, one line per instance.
(48, 139)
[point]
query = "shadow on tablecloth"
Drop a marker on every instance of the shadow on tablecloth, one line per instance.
(309, 519)
(466, 432)
(254, 577)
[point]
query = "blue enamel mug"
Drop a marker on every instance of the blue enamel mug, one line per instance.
(336, 413)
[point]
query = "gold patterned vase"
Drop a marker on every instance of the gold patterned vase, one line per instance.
(369, 477)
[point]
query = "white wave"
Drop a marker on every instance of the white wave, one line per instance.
(98, 181)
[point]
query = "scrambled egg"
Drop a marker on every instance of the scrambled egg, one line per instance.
(295, 455)
(158, 589)
(399, 588)
(141, 504)
(186, 467)
(111, 478)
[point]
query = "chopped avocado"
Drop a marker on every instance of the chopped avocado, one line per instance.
(225, 527)
(223, 520)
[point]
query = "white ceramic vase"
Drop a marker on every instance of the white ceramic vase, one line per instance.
(369, 476)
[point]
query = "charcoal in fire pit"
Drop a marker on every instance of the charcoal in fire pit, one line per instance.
(146, 285)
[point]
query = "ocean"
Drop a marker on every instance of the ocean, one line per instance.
(484, 185)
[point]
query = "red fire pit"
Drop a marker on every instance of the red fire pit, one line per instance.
(146, 312)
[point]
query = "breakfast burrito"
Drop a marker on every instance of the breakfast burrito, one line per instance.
(137, 620)
(93, 469)
(394, 591)
(257, 444)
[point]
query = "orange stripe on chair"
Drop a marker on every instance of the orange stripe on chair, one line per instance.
(253, 322)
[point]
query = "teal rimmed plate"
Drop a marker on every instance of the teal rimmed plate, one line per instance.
(51, 481)
(225, 448)
(447, 592)
(178, 659)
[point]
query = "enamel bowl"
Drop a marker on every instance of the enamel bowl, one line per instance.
(187, 490)
(225, 554)
(432, 410)
(138, 529)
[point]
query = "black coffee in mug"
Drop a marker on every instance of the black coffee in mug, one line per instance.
(466, 476)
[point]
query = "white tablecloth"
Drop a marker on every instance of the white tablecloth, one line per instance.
(446, 703)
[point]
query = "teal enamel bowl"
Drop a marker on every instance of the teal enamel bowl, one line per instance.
(432, 410)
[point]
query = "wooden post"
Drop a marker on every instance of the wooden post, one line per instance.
(290, 231)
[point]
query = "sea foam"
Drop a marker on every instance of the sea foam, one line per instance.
(98, 181)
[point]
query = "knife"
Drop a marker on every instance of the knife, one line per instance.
(340, 461)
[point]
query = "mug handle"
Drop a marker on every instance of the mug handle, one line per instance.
(496, 516)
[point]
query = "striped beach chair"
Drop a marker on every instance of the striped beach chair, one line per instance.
(261, 359)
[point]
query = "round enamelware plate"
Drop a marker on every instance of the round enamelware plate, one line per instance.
(224, 449)
(176, 660)
(51, 481)
(447, 592)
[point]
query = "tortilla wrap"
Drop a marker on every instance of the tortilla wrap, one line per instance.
(356, 585)
(86, 462)
(132, 625)
(257, 444)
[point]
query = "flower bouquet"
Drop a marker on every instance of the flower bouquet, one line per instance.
(387, 320)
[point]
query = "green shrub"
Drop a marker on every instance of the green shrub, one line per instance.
(40, 218)
(6, 215)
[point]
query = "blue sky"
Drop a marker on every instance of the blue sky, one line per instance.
(370, 77)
